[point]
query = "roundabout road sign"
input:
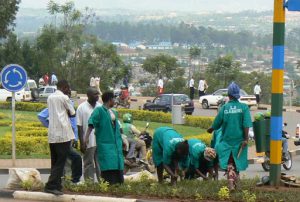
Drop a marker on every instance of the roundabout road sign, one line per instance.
(13, 77)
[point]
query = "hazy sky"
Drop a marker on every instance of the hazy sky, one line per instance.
(182, 5)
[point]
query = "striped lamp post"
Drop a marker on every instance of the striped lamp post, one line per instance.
(277, 92)
(277, 85)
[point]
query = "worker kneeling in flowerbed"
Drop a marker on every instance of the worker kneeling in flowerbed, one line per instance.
(170, 152)
(201, 160)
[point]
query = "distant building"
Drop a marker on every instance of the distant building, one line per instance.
(161, 46)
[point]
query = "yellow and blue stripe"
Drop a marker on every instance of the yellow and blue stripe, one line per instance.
(277, 91)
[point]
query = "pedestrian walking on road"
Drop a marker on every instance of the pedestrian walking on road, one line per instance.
(108, 140)
(46, 79)
(202, 87)
(97, 84)
(84, 111)
(234, 119)
(53, 79)
(257, 92)
(192, 88)
(160, 86)
(92, 82)
(60, 134)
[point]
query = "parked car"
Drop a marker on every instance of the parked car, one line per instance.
(26, 94)
(208, 101)
(164, 103)
(45, 92)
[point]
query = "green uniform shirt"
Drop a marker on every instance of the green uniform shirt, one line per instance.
(108, 139)
(197, 148)
(233, 118)
(164, 145)
(127, 130)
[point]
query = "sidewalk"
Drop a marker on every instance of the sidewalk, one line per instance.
(26, 163)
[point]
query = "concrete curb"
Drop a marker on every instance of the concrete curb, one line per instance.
(40, 196)
(293, 152)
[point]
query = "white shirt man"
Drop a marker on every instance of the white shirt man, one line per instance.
(60, 129)
(90, 161)
(192, 83)
(201, 86)
(60, 134)
(257, 89)
(160, 83)
(92, 82)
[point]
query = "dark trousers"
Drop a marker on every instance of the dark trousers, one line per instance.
(113, 176)
(192, 92)
(201, 93)
(257, 98)
(59, 153)
(76, 165)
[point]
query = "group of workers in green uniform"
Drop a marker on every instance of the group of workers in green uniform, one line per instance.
(228, 149)
(171, 152)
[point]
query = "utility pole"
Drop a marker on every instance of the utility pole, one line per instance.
(277, 86)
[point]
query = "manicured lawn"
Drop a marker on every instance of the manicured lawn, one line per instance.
(25, 116)
(21, 115)
(184, 130)
(4, 130)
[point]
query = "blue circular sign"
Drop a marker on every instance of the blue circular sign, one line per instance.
(13, 77)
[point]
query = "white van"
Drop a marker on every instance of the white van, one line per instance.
(23, 95)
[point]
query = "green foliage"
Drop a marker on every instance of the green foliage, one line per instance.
(25, 145)
(161, 117)
(224, 193)
(221, 72)
(2, 116)
(161, 65)
(8, 13)
(187, 190)
(24, 106)
(248, 197)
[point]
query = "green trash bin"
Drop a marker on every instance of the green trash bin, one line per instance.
(259, 129)
(268, 133)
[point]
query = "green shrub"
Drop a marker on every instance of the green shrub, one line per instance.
(161, 117)
(2, 116)
(5, 123)
(24, 145)
(205, 137)
(24, 106)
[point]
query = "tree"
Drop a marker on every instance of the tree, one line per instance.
(221, 72)
(161, 65)
(8, 10)
(194, 53)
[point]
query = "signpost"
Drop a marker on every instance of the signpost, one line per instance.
(277, 85)
(13, 79)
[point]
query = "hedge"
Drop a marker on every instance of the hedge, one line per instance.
(25, 145)
(24, 106)
(142, 115)
(161, 117)
(2, 116)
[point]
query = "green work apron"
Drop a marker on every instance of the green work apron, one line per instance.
(108, 139)
(233, 118)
